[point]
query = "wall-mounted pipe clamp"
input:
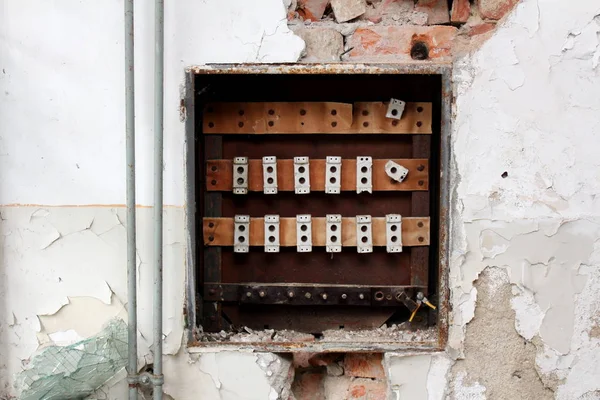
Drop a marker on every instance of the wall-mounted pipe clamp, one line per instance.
(269, 174)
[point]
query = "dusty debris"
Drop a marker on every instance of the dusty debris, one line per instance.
(345, 10)
(404, 332)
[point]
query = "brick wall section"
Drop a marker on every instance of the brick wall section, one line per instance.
(394, 43)
(436, 10)
(461, 11)
(312, 9)
(350, 376)
(495, 9)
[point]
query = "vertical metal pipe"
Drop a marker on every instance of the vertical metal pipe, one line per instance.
(159, 39)
(132, 372)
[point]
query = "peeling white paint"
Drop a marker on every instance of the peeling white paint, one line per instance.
(526, 106)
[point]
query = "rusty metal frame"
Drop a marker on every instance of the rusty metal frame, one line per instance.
(417, 68)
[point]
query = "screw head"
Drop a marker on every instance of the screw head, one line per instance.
(344, 296)
(324, 296)
(290, 294)
(307, 295)
(212, 291)
(262, 293)
(361, 296)
(248, 294)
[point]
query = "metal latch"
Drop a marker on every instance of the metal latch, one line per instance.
(395, 109)
(333, 241)
(364, 235)
(271, 233)
(240, 175)
(303, 233)
(269, 175)
(301, 175)
(395, 171)
(393, 233)
(333, 174)
(241, 234)
(364, 167)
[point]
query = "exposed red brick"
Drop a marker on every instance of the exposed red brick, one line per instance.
(324, 359)
(461, 10)
(480, 29)
(312, 9)
(308, 386)
(367, 389)
(394, 43)
(495, 9)
(437, 11)
(364, 365)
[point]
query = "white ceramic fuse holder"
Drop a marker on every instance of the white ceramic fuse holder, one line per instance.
(393, 233)
(333, 175)
(269, 174)
(395, 109)
(364, 234)
(240, 175)
(241, 234)
(271, 233)
(303, 233)
(301, 175)
(333, 241)
(364, 178)
(395, 171)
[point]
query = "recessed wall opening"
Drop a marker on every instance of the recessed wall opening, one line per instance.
(288, 252)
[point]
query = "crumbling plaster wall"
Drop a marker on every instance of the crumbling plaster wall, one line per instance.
(526, 104)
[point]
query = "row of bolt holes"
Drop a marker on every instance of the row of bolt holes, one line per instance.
(333, 112)
(378, 295)
(333, 228)
(240, 170)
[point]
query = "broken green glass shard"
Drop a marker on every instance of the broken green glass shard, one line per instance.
(77, 370)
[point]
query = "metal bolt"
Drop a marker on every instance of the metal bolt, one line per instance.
(420, 168)
(344, 296)
(145, 379)
(290, 294)
(420, 296)
(307, 295)
(262, 293)
(248, 294)
(361, 296)
(324, 296)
